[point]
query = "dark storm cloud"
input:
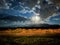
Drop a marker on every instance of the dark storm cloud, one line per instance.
(2, 3)
(30, 3)
(56, 2)
(48, 7)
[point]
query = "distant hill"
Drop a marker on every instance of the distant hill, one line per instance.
(44, 26)
(40, 26)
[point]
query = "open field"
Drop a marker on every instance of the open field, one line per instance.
(29, 40)
(30, 32)
(30, 37)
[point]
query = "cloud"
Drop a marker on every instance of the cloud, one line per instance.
(38, 6)
(54, 19)
(54, 14)
(38, 2)
(25, 8)
(36, 19)
(4, 5)
(12, 24)
(26, 11)
(49, 1)
(32, 11)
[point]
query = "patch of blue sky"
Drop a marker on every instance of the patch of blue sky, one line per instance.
(15, 13)
(54, 19)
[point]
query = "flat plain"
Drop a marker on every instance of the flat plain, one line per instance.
(30, 37)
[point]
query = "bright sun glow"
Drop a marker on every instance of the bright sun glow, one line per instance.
(36, 19)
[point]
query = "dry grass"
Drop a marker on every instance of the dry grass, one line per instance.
(30, 32)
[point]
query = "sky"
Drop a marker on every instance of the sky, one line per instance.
(21, 13)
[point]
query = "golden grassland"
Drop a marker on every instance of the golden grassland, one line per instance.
(29, 32)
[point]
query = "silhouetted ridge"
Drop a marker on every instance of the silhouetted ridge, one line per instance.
(41, 26)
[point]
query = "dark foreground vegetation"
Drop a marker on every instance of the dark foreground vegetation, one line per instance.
(30, 40)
